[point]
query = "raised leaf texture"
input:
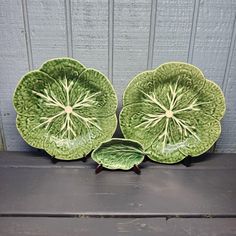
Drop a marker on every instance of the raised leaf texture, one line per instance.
(66, 109)
(119, 154)
(173, 111)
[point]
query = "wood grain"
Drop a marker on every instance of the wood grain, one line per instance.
(227, 141)
(212, 42)
(13, 65)
(173, 31)
(90, 33)
(67, 198)
(70, 189)
(131, 37)
(2, 137)
(47, 30)
(120, 38)
(21, 226)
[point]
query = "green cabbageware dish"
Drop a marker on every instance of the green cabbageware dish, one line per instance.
(118, 153)
(65, 108)
(173, 111)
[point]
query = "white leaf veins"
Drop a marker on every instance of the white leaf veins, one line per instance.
(151, 120)
(85, 99)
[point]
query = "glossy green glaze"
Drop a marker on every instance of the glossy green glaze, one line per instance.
(65, 108)
(173, 111)
(119, 154)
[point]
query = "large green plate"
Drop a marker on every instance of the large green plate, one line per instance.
(65, 108)
(173, 111)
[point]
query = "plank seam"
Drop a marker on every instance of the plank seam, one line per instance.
(119, 215)
(93, 168)
(110, 38)
(229, 57)
(225, 81)
(2, 136)
(152, 32)
(193, 31)
(68, 21)
(27, 34)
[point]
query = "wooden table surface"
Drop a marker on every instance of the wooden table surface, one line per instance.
(38, 197)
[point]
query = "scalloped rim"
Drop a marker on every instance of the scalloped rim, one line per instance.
(179, 62)
(210, 81)
(56, 58)
(85, 154)
(38, 70)
(169, 162)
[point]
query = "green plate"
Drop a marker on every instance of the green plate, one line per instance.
(173, 111)
(119, 154)
(65, 108)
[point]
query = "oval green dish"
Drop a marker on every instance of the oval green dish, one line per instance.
(173, 111)
(65, 108)
(118, 153)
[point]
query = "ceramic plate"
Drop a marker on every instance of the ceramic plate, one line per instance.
(119, 154)
(173, 111)
(65, 108)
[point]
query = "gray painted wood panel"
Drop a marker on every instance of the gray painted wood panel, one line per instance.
(211, 47)
(2, 137)
(173, 30)
(47, 30)
(131, 37)
(120, 38)
(209, 161)
(90, 33)
(72, 189)
(227, 141)
(213, 35)
(21, 226)
(13, 64)
(56, 199)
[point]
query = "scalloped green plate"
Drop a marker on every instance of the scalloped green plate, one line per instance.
(65, 108)
(173, 111)
(118, 153)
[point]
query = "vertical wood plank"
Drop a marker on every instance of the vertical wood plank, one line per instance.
(131, 37)
(193, 30)
(152, 34)
(68, 28)
(213, 37)
(110, 38)
(47, 29)
(13, 64)
(226, 78)
(120, 38)
(227, 141)
(173, 30)
(212, 43)
(27, 34)
(2, 137)
(90, 33)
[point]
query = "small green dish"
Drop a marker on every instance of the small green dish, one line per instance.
(173, 111)
(119, 153)
(65, 108)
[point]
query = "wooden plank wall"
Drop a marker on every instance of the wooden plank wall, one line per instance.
(120, 38)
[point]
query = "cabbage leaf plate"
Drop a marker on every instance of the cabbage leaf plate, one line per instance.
(65, 108)
(118, 153)
(173, 111)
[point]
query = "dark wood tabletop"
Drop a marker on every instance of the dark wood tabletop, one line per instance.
(38, 197)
